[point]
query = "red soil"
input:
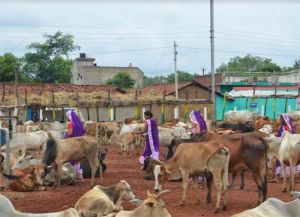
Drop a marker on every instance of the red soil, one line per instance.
(128, 168)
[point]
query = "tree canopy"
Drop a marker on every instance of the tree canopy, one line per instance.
(249, 63)
(49, 60)
(8, 65)
(122, 80)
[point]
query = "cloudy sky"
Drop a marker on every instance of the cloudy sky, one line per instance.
(119, 32)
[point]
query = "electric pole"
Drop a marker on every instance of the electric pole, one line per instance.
(175, 70)
(176, 81)
(203, 70)
(212, 48)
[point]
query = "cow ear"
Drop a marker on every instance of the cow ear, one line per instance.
(149, 204)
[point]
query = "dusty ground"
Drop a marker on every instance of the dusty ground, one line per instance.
(128, 168)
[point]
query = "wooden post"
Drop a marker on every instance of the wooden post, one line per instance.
(274, 105)
(88, 113)
(62, 115)
(97, 112)
(17, 86)
(3, 93)
(162, 114)
(246, 106)
(266, 103)
(224, 106)
(286, 104)
(253, 96)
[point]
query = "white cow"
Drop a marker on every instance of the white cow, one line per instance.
(289, 151)
(8, 210)
(29, 141)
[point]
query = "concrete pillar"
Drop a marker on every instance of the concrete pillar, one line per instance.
(176, 112)
(235, 108)
(143, 111)
(262, 110)
(205, 113)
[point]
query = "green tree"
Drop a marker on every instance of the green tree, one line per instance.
(49, 60)
(182, 77)
(249, 63)
(121, 80)
(8, 64)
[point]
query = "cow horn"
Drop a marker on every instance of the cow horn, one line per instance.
(148, 193)
(162, 192)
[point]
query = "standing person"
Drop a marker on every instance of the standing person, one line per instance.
(75, 129)
(152, 138)
(198, 121)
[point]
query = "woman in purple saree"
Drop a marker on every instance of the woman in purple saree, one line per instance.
(198, 122)
(152, 138)
(75, 129)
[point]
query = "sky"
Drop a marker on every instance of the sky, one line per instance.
(117, 33)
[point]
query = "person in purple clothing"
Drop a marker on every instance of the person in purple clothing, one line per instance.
(152, 138)
(198, 121)
(75, 129)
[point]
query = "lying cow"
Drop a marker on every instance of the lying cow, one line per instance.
(273, 207)
(67, 176)
(101, 201)
(72, 150)
(152, 206)
(192, 158)
(8, 210)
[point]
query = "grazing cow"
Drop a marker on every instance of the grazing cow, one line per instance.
(101, 201)
(152, 206)
(86, 167)
(273, 207)
(189, 160)
(289, 153)
(248, 151)
(8, 210)
(72, 150)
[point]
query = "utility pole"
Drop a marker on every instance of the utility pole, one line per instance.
(176, 81)
(212, 48)
(203, 70)
(17, 86)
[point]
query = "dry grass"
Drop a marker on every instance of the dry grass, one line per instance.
(84, 99)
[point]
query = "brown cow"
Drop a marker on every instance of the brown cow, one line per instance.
(72, 150)
(248, 151)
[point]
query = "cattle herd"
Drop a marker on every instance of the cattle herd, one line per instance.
(40, 157)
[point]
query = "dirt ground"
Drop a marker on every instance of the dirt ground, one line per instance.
(128, 168)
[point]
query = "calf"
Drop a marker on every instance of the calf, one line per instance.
(152, 206)
(101, 201)
(289, 153)
(192, 158)
(8, 210)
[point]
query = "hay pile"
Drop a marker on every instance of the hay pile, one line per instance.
(64, 99)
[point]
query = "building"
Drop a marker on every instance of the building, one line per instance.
(86, 72)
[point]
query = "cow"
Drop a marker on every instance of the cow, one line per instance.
(260, 122)
(148, 167)
(190, 159)
(248, 151)
(72, 150)
(273, 207)
(8, 210)
(34, 141)
(289, 154)
(101, 201)
(53, 126)
(86, 167)
(239, 127)
(152, 206)
(26, 179)
(67, 177)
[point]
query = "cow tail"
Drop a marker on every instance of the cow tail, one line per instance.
(226, 166)
(50, 152)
